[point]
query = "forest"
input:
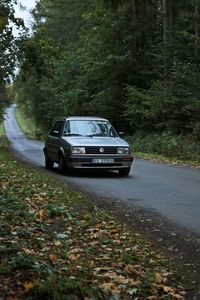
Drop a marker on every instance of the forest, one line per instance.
(133, 62)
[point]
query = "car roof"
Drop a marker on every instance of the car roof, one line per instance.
(84, 118)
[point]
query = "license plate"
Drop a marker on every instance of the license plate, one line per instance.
(103, 161)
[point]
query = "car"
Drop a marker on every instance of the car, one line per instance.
(86, 143)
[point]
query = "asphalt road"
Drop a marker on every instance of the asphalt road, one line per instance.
(171, 191)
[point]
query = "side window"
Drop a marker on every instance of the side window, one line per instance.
(56, 130)
(67, 130)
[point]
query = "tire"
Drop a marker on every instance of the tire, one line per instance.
(124, 172)
(48, 163)
(62, 167)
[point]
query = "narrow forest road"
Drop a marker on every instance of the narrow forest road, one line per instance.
(172, 191)
(160, 201)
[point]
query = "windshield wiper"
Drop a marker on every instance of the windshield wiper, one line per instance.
(73, 134)
(97, 134)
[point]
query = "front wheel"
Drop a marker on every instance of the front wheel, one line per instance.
(48, 163)
(124, 172)
(62, 167)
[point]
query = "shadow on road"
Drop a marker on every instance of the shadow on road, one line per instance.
(92, 173)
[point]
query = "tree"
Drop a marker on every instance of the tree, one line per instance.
(134, 62)
(8, 46)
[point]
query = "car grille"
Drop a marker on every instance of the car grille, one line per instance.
(101, 150)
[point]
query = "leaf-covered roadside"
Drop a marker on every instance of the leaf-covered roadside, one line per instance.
(55, 244)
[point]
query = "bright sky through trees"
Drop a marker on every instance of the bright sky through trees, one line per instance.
(22, 10)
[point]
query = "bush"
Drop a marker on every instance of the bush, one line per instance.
(166, 144)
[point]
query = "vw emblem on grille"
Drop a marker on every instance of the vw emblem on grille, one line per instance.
(101, 150)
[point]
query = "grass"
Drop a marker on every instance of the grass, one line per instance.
(1, 130)
(167, 148)
(27, 125)
(3, 140)
(158, 158)
(56, 244)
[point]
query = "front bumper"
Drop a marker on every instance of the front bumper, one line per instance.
(109, 162)
(104, 162)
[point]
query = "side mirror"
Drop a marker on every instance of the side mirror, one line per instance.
(56, 133)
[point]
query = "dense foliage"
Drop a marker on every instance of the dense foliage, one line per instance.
(8, 46)
(134, 62)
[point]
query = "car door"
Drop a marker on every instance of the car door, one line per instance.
(53, 140)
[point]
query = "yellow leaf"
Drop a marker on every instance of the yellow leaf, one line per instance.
(41, 214)
(28, 286)
(167, 289)
(158, 278)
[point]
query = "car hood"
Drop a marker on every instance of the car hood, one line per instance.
(95, 141)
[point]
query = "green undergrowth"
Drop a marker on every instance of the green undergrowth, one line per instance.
(56, 244)
(27, 125)
(1, 130)
(3, 140)
(167, 148)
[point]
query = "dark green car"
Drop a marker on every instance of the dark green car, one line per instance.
(86, 142)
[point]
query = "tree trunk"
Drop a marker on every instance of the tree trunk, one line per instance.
(196, 30)
(135, 6)
(168, 22)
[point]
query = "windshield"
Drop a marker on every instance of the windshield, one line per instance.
(89, 128)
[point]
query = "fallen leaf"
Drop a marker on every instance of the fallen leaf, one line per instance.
(26, 250)
(157, 255)
(57, 243)
(167, 289)
(121, 279)
(129, 269)
(92, 264)
(177, 296)
(28, 286)
(41, 214)
(110, 287)
(74, 257)
(158, 278)
(114, 230)
(53, 257)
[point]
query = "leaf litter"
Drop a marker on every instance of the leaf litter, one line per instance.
(56, 244)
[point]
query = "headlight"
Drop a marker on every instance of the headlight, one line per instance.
(78, 150)
(123, 150)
